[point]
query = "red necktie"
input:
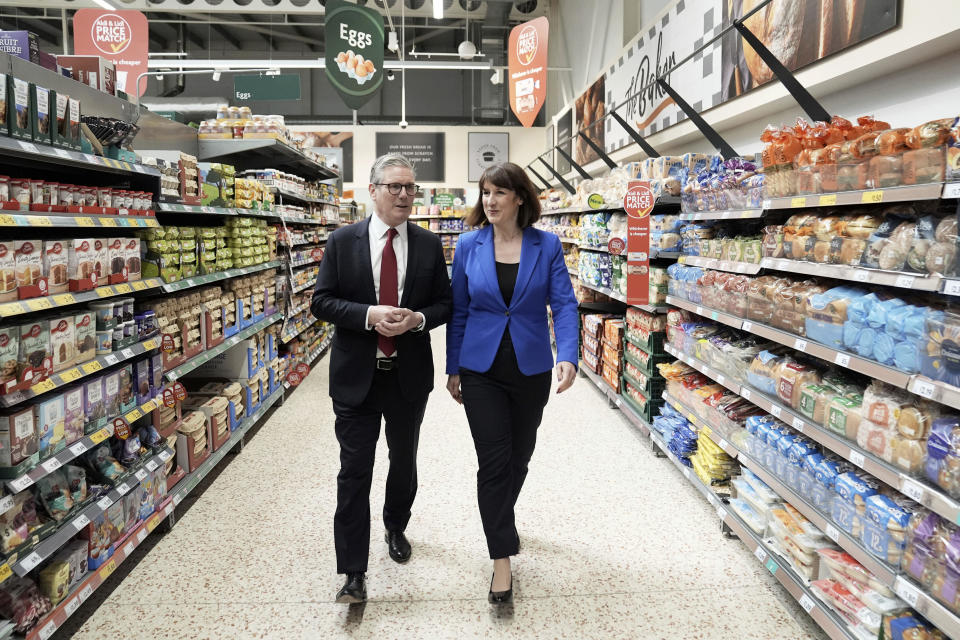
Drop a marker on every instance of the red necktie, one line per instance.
(388, 287)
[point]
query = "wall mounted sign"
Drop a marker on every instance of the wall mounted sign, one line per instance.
(424, 150)
(527, 68)
(485, 149)
(354, 51)
(119, 36)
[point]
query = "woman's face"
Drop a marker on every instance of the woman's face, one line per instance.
(500, 204)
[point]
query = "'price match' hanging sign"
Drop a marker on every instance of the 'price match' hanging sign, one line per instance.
(638, 203)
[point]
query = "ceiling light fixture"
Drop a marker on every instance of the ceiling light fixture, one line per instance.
(438, 9)
(105, 5)
(216, 75)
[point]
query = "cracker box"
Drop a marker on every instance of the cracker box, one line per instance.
(60, 133)
(81, 260)
(9, 351)
(73, 417)
(63, 342)
(29, 262)
(93, 71)
(4, 124)
(85, 329)
(23, 44)
(8, 270)
(48, 421)
(18, 437)
(55, 265)
(94, 408)
(34, 360)
(18, 108)
(131, 255)
(40, 113)
(111, 393)
(101, 260)
(73, 129)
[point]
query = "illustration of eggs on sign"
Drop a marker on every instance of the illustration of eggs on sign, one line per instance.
(355, 66)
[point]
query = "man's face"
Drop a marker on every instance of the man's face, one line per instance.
(393, 209)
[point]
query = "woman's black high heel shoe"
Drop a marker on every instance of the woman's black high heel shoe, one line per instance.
(501, 597)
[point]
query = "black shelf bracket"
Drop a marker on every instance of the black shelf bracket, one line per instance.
(709, 132)
(593, 145)
(806, 101)
(566, 185)
(639, 139)
(577, 167)
(540, 177)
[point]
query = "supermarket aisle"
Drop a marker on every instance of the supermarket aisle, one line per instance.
(616, 544)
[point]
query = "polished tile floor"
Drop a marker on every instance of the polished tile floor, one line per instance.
(615, 543)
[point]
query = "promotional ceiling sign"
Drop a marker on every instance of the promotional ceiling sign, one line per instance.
(119, 36)
(638, 203)
(354, 51)
(528, 69)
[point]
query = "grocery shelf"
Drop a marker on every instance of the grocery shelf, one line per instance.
(455, 232)
(314, 355)
(57, 616)
(662, 200)
(915, 281)
(73, 374)
(198, 281)
(305, 286)
(666, 255)
(297, 330)
(258, 153)
(301, 197)
(77, 448)
(48, 154)
(931, 497)
(738, 214)
(209, 354)
(929, 191)
(841, 358)
(298, 219)
(601, 384)
(303, 263)
(575, 241)
(176, 207)
(436, 217)
(192, 479)
(616, 295)
(588, 247)
(32, 219)
(9, 309)
(720, 265)
(69, 528)
(935, 390)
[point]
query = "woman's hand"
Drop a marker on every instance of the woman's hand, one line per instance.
(453, 386)
(566, 374)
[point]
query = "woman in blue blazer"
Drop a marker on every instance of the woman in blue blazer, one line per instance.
(498, 346)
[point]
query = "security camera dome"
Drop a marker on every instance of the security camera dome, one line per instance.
(467, 50)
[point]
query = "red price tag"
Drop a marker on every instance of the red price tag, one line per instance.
(121, 429)
(166, 344)
(617, 246)
(303, 369)
(168, 399)
(317, 253)
(179, 391)
(294, 378)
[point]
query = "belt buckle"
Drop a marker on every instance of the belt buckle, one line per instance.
(385, 364)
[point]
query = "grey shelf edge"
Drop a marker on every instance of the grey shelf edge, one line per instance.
(904, 280)
(199, 281)
(192, 479)
(925, 494)
(304, 286)
(49, 545)
(205, 356)
(41, 152)
(732, 214)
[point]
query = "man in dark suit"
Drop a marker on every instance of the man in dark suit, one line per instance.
(383, 282)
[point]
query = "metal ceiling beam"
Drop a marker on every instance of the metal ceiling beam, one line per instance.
(247, 27)
(436, 32)
(226, 35)
(267, 34)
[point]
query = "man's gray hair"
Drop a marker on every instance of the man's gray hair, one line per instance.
(389, 160)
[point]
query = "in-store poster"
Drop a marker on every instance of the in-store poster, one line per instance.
(424, 150)
(485, 149)
(119, 36)
(799, 33)
(527, 68)
(638, 203)
(590, 111)
(564, 129)
(329, 143)
(354, 45)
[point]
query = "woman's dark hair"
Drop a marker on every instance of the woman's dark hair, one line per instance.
(507, 175)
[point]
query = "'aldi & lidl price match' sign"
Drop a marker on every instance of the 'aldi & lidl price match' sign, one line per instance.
(527, 66)
(354, 51)
(638, 203)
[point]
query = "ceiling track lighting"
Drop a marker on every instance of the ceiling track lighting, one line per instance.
(438, 9)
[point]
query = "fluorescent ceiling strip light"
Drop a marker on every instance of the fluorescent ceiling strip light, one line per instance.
(318, 63)
(105, 5)
(438, 9)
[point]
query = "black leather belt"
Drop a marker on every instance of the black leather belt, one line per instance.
(386, 364)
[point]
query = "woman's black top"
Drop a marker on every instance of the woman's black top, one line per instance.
(507, 278)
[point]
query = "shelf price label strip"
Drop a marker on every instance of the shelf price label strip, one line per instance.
(9, 309)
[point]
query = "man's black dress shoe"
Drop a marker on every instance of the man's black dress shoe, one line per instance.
(398, 545)
(354, 590)
(501, 597)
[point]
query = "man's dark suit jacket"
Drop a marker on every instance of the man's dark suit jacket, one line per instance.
(345, 290)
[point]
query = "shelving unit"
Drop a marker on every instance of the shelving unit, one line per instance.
(209, 354)
(258, 153)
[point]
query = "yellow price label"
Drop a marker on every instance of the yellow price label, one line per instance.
(152, 223)
(108, 569)
(64, 298)
(5, 571)
(154, 282)
(84, 221)
(149, 406)
(126, 165)
(43, 387)
(103, 292)
(746, 214)
(7, 221)
(91, 367)
(11, 309)
(39, 304)
(871, 197)
(108, 222)
(70, 375)
(133, 415)
(99, 436)
(138, 285)
(123, 288)
(153, 522)
(798, 202)
(40, 221)
(153, 343)
(828, 200)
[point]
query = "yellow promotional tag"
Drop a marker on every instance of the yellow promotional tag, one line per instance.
(11, 309)
(99, 436)
(152, 223)
(40, 221)
(153, 522)
(91, 367)
(84, 221)
(5, 571)
(123, 288)
(70, 375)
(828, 200)
(871, 197)
(139, 285)
(64, 298)
(108, 569)
(798, 202)
(7, 221)
(108, 222)
(43, 387)
(103, 292)
(133, 415)
(151, 344)
(39, 304)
